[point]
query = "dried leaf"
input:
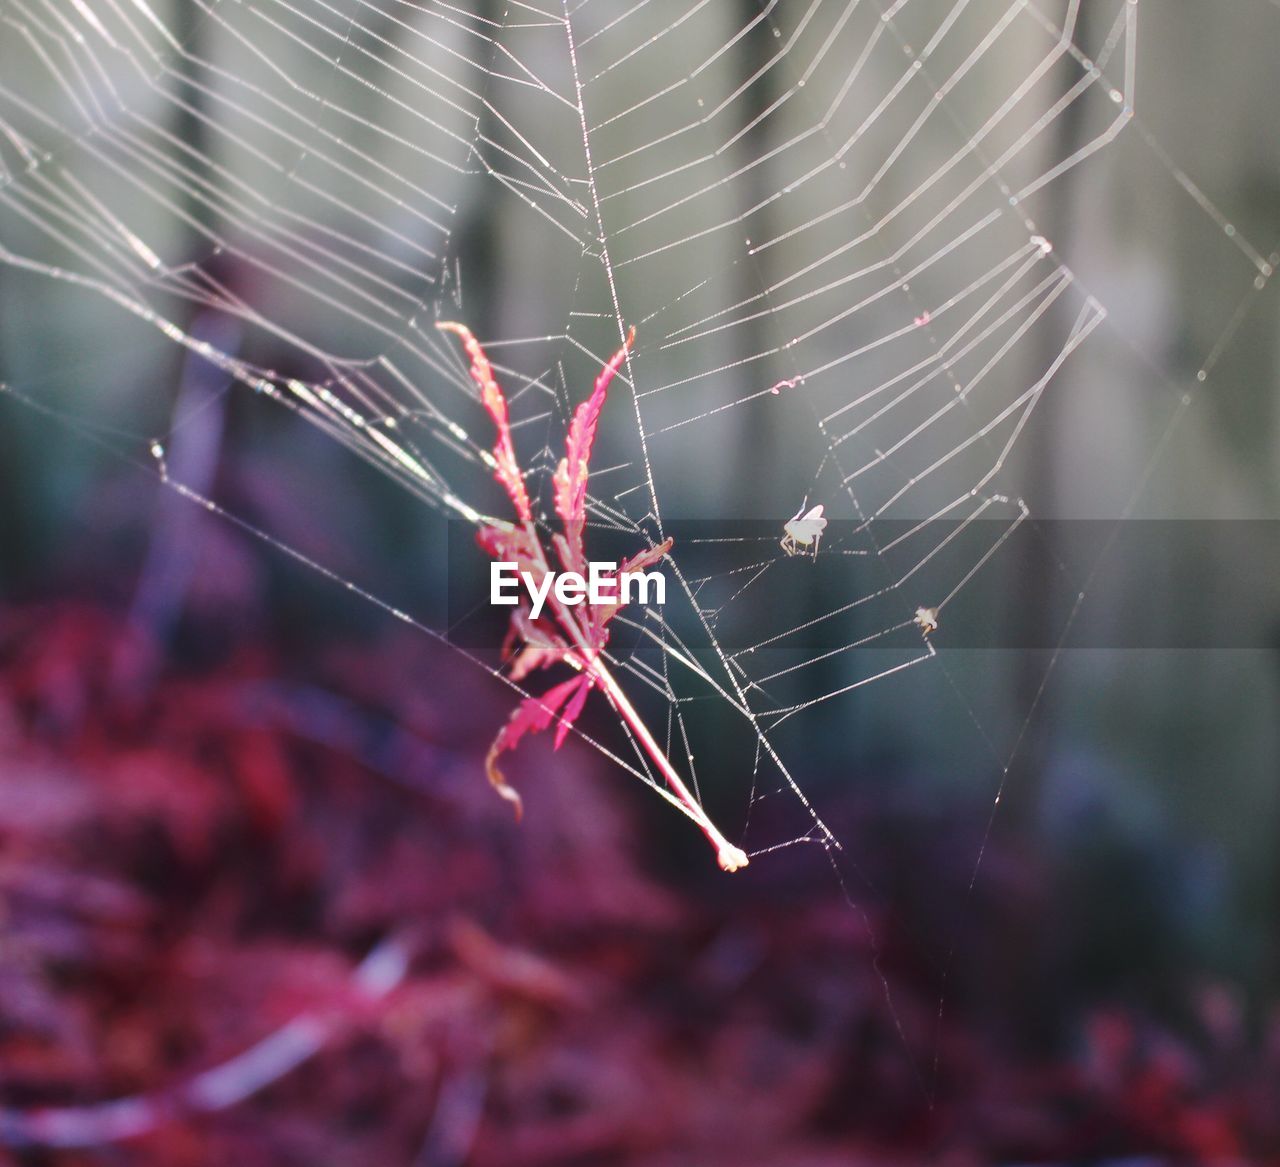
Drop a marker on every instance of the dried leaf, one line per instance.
(535, 656)
(506, 468)
(533, 715)
(574, 640)
(574, 469)
(510, 545)
(543, 645)
(638, 562)
(572, 710)
(648, 557)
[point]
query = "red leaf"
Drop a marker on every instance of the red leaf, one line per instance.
(535, 656)
(506, 468)
(533, 715)
(509, 544)
(572, 710)
(543, 644)
(647, 558)
(602, 614)
(563, 638)
(572, 473)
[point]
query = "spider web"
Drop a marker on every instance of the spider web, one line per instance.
(827, 221)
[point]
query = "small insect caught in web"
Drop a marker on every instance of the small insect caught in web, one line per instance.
(803, 529)
(926, 619)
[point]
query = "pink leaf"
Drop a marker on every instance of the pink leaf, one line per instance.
(572, 473)
(535, 656)
(647, 558)
(533, 715)
(603, 613)
(506, 469)
(509, 544)
(572, 710)
(543, 645)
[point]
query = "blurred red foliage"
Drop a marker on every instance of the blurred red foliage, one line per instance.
(196, 861)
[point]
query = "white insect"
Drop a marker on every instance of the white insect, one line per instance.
(927, 620)
(804, 529)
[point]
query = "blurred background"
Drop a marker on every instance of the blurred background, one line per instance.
(257, 897)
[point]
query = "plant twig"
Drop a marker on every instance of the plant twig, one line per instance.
(576, 641)
(215, 1089)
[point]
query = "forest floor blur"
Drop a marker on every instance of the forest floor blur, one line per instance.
(195, 855)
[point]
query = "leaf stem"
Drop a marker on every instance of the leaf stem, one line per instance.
(729, 856)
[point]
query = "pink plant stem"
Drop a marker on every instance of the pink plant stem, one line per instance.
(728, 856)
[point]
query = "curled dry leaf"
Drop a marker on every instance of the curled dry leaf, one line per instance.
(533, 715)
